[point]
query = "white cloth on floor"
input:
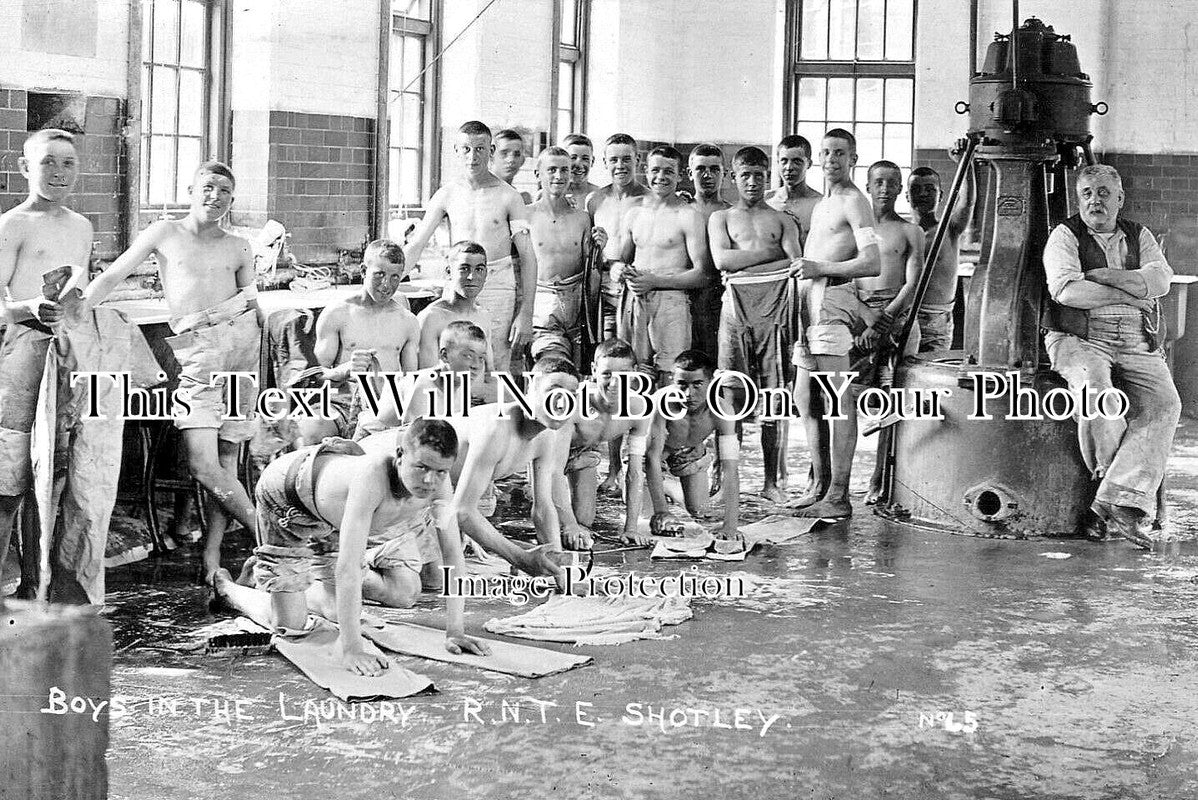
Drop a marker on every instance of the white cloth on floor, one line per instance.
(595, 620)
(777, 529)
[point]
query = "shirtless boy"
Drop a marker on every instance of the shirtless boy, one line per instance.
(466, 270)
(482, 208)
(501, 439)
(208, 282)
(370, 331)
(794, 196)
(582, 156)
(664, 239)
(753, 245)
(608, 207)
(326, 511)
(705, 166)
(681, 445)
(612, 358)
(842, 246)
(509, 158)
(36, 236)
(562, 238)
(889, 295)
(923, 191)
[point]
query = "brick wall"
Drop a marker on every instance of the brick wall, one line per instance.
(319, 181)
(98, 192)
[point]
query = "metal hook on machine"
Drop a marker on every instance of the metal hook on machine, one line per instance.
(1100, 108)
(961, 107)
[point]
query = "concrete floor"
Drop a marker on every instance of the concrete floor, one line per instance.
(1065, 678)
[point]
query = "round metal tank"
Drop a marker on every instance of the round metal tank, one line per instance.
(1031, 88)
(999, 477)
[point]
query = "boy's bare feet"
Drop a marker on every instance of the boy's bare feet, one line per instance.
(611, 485)
(774, 494)
(246, 576)
(813, 494)
(828, 508)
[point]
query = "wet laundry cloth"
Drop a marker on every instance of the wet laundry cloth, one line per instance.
(777, 529)
(75, 454)
(595, 620)
(315, 656)
(506, 657)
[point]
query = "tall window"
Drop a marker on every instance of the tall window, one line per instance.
(178, 96)
(571, 18)
(411, 107)
(854, 68)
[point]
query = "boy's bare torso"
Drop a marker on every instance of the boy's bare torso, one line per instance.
(334, 475)
(604, 426)
(610, 211)
(690, 431)
(894, 247)
(757, 228)
(198, 271)
(558, 239)
(943, 286)
(433, 320)
(659, 235)
(482, 214)
(43, 240)
(386, 329)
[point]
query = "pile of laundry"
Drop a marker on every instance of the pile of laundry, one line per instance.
(596, 620)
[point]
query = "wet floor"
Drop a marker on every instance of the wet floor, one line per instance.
(869, 660)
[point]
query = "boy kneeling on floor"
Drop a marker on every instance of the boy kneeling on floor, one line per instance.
(320, 507)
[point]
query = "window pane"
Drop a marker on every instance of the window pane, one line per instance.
(413, 111)
(565, 85)
(163, 103)
(189, 158)
(393, 181)
(869, 143)
(869, 99)
(900, 98)
(166, 31)
(840, 98)
(814, 43)
(565, 121)
(418, 9)
(191, 47)
(145, 168)
(395, 64)
(813, 132)
(870, 14)
(191, 103)
(842, 30)
(413, 61)
(409, 177)
(161, 173)
(898, 144)
(569, 22)
(812, 98)
(900, 23)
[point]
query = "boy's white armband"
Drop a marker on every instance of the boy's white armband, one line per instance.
(865, 237)
(638, 445)
(729, 447)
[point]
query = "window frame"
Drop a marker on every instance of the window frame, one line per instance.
(575, 55)
(798, 67)
(394, 24)
(215, 112)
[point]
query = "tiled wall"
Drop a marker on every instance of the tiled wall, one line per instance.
(319, 182)
(98, 192)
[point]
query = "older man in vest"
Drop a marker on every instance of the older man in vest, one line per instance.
(1104, 328)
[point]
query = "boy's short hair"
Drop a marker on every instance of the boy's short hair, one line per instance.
(553, 150)
(620, 138)
(691, 360)
(615, 348)
(475, 128)
(882, 164)
(751, 157)
(387, 249)
(462, 330)
(435, 434)
(841, 133)
(46, 135)
(550, 364)
(466, 246)
(795, 140)
(215, 168)
(707, 149)
(666, 151)
(924, 172)
(578, 138)
(508, 134)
